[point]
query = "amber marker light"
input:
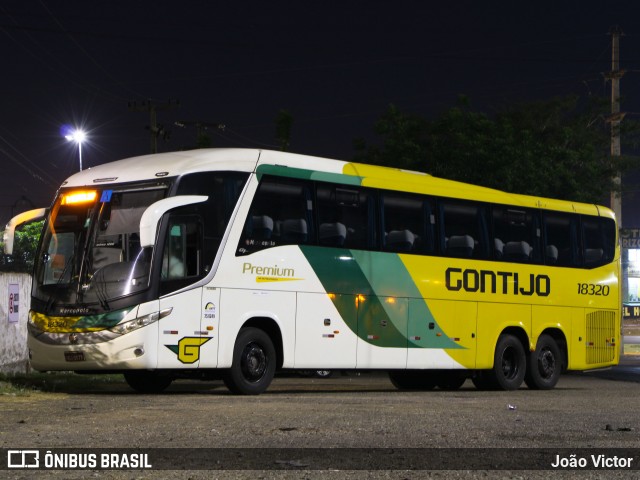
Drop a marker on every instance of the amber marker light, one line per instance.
(82, 196)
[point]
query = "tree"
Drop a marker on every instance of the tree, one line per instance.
(557, 148)
(404, 141)
(25, 245)
(203, 140)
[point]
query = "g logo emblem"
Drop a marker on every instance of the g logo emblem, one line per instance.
(188, 349)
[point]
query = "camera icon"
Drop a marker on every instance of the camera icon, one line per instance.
(23, 459)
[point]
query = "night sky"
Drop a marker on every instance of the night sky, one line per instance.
(335, 66)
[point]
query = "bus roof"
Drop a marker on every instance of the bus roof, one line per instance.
(170, 164)
(174, 164)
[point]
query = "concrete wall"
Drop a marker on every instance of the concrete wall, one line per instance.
(14, 356)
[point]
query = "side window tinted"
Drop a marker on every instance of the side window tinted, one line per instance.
(561, 239)
(598, 236)
(280, 215)
(464, 230)
(346, 216)
(408, 223)
(516, 235)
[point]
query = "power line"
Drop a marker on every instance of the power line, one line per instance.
(152, 107)
(43, 175)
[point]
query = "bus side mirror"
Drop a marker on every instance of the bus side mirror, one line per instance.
(153, 214)
(24, 217)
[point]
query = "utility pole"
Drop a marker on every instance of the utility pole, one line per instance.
(151, 107)
(201, 128)
(616, 118)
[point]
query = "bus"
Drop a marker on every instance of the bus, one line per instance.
(238, 263)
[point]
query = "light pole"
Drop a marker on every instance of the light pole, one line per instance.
(77, 136)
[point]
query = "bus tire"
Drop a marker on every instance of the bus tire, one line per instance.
(254, 363)
(545, 365)
(484, 380)
(413, 379)
(147, 382)
(509, 363)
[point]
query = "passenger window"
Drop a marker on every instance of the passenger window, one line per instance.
(598, 236)
(464, 230)
(561, 239)
(346, 217)
(516, 234)
(280, 215)
(407, 223)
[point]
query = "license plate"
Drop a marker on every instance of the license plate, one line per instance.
(74, 356)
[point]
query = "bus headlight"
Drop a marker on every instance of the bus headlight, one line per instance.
(139, 322)
(136, 323)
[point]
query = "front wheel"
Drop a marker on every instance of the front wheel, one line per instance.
(509, 364)
(545, 365)
(254, 363)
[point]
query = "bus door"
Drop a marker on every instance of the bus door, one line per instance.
(188, 335)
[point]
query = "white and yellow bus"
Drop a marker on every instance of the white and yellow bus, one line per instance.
(239, 263)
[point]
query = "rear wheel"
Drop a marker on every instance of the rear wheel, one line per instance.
(545, 365)
(484, 380)
(413, 379)
(254, 363)
(509, 364)
(147, 382)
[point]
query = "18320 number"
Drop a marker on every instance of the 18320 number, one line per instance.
(593, 289)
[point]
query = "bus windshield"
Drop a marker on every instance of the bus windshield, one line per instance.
(90, 252)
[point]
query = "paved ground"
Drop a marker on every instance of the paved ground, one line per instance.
(627, 370)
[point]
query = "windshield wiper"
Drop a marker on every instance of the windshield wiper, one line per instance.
(101, 291)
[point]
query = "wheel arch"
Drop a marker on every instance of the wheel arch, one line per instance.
(519, 333)
(271, 328)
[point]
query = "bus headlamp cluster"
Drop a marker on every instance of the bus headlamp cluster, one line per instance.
(140, 322)
(136, 323)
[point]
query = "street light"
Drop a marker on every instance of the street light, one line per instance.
(77, 136)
